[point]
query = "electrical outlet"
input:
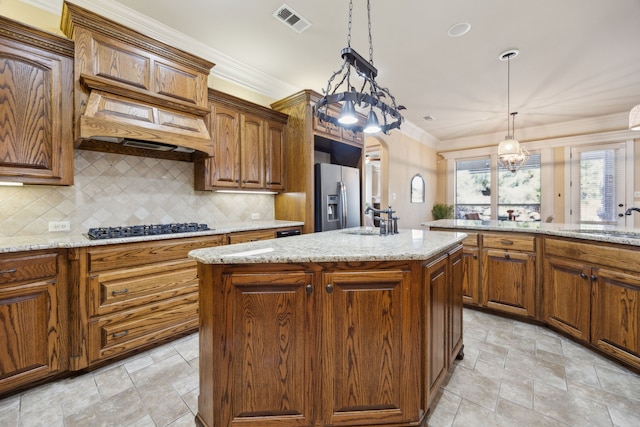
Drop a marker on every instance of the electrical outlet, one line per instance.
(255, 216)
(59, 225)
(393, 196)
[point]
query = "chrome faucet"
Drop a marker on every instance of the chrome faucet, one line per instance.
(388, 225)
(628, 212)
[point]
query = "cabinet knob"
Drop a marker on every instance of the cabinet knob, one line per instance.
(584, 276)
(594, 277)
(507, 256)
(475, 256)
(309, 289)
(329, 288)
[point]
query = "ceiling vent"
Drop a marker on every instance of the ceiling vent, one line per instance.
(291, 18)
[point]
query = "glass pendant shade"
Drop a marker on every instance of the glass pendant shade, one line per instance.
(634, 118)
(508, 147)
(348, 114)
(372, 125)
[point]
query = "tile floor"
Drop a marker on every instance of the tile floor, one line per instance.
(513, 374)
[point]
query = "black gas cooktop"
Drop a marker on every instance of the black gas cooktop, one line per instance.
(144, 230)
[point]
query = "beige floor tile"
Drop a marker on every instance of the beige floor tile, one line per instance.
(474, 386)
(569, 408)
(117, 410)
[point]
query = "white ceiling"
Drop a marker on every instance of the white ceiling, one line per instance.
(578, 58)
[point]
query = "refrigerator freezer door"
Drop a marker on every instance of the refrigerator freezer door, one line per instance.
(351, 181)
(327, 197)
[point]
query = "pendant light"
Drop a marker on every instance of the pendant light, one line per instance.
(510, 155)
(634, 118)
(364, 93)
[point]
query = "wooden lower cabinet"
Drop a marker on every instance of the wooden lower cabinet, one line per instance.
(615, 314)
(317, 344)
(470, 275)
(509, 273)
(132, 295)
(32, 318)
(567, 296)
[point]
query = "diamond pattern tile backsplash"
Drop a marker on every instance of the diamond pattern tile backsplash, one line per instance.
(114, 190)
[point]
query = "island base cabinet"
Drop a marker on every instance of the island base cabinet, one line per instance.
(615, 325)
(318, 344)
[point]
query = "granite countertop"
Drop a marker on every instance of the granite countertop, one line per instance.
(603, 233)
(350, 245)
(65, 240)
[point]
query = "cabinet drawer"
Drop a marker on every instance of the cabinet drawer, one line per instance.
(114, 334)
(509, 241)
(135, 254)
(28, 267)
(251, 236)
(116, 290)
(471, 240)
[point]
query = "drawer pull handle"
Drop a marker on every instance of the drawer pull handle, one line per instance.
(120, 334)
(506, 242)
(507, 256)
(122, 292)
(8, 271)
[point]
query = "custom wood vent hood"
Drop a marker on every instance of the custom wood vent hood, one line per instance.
(133, 94)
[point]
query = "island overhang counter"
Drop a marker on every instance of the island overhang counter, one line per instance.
(335, 328)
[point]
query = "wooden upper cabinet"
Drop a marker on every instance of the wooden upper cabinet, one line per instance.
(36, 112)
(225, 171)
(248, 146)
(274, 160)
(252, 151)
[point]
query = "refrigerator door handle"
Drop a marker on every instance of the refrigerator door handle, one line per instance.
(343, 199)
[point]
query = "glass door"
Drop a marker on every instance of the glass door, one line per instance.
(598, 184)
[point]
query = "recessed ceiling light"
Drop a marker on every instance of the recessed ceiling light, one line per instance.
(459, 29)
(508, 54)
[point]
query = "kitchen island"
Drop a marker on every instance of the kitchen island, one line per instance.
(337, 328)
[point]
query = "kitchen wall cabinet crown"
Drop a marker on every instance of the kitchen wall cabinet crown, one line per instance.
(299, 155)
(249, 143)
(36, 112)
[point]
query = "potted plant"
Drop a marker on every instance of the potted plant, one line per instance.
(442, 211)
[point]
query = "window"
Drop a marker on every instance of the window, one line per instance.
(517, 195)
(519, 192)
(473, 188)
(598, 185)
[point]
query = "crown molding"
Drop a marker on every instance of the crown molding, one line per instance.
(51, 6)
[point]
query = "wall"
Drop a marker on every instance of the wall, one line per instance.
(115, 190)
(406, 158)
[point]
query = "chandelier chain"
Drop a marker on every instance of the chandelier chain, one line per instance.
(508, 92)
(370, 38)
(349, 27)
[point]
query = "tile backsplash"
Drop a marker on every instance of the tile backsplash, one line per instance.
(114, 190)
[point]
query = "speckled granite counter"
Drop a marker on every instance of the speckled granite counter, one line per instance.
(602, 233)
(334, 246)
(63, 240)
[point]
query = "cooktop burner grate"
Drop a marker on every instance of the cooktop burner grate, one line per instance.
(144, 230)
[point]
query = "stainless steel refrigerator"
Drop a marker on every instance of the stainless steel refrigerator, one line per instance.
(337, 197)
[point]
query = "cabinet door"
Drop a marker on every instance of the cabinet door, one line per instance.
(470, 275)
(454, 329)
(268, 348)
(36, 115)
(615, 314)
(30, 320)
(567, 296)
(508, 281)
(225, 123)
(369, 348)
(274, 161)
(252, 151)
(436, 321)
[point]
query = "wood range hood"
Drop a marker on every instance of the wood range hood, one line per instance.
(133, 94)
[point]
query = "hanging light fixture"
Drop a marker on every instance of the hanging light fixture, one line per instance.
(510, 155)
(634, 118)
(383, 113)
